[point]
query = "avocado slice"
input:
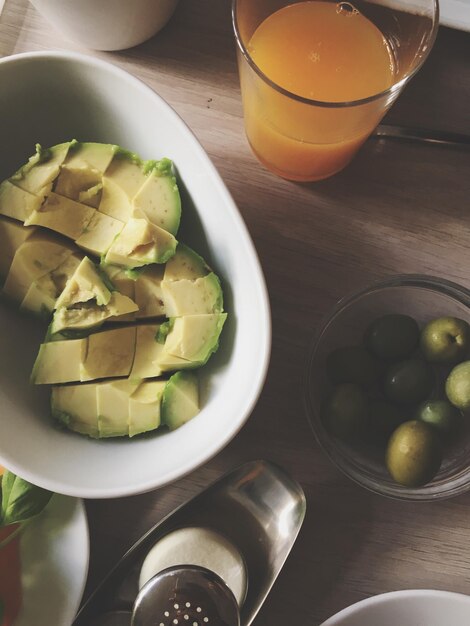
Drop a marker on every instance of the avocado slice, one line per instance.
(100, 233)
(192, 297)
(159, 198)
(141, 243)
(75, 406)
(12, 235)
(42, 168)
(110, 354)
(41, 253)
(62, 215)
(123, 179)
(123, 283)
(92, 155)
(147, 353)
(82, 184)
(59, 362)
(145, 407)
(195, 337)
(42, 294)
(185, 264)
(113, 406)
(85, 285)
(148, 292)
(91, 315)
(18, 203)
(180, 400)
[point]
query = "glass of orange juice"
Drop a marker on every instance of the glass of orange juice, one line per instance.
(317, 76)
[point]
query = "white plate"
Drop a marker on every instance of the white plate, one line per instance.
(49, 97)
(412, 607)
(54, 551)
(455, 13)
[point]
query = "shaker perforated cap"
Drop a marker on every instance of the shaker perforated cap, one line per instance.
(186, 595)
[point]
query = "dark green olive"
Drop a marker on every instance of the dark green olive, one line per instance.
(352, 364)
(441, 415)
(414, 454)
(384, 418)
(345, 412)
(409, 382)
(392, 336)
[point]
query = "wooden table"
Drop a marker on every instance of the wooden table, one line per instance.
(398, 208)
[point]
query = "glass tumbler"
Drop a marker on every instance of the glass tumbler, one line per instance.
(304, 139)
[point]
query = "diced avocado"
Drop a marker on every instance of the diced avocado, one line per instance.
(195, 337)
(18, 203)
(180, 401)
(126, 170)
(85, 285)
(36, 257)
(124, 284)
(141, 243)
(98, 156)
(110, 354)
(114, 201)
(91, 196)
(147, 353)
(59, 362)
(65, 271)
(185, 264)
(42, 294)
(169, 363)
(75, 182)
(123, 179)
(62, 215)
(12, 235)
(192, 297)
(144, 407)
(75, 406)
(91, 315)
(42, 168)
(148, 293)
(159, 197)
(113, 406)
(100, 233)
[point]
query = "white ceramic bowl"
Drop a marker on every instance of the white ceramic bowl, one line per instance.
(413, 607)
(51, 97)
(107, 24)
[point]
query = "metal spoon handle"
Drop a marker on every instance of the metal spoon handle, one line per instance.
(422, 135)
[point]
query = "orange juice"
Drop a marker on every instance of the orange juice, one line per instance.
(321, 51)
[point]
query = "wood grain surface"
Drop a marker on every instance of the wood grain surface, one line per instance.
(397, 208)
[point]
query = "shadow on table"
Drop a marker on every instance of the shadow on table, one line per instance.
(333, 535)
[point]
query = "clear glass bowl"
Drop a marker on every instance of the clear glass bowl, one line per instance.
(424, 298)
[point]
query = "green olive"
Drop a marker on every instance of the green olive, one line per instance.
(414, 454)
(441, 415)
(445, 340)
(345, 412)
(352, 364)
(409, 382)
(458, 386)
(384, 418)
(392, 336)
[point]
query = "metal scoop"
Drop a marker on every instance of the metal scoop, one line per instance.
(185, 595)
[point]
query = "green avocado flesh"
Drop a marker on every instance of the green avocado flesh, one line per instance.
(92, 193)
(126, 407)
(87, 243)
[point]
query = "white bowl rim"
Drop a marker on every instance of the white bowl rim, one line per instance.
(337, 619)
(265, 340)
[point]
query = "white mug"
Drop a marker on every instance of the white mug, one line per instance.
(107, 24)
